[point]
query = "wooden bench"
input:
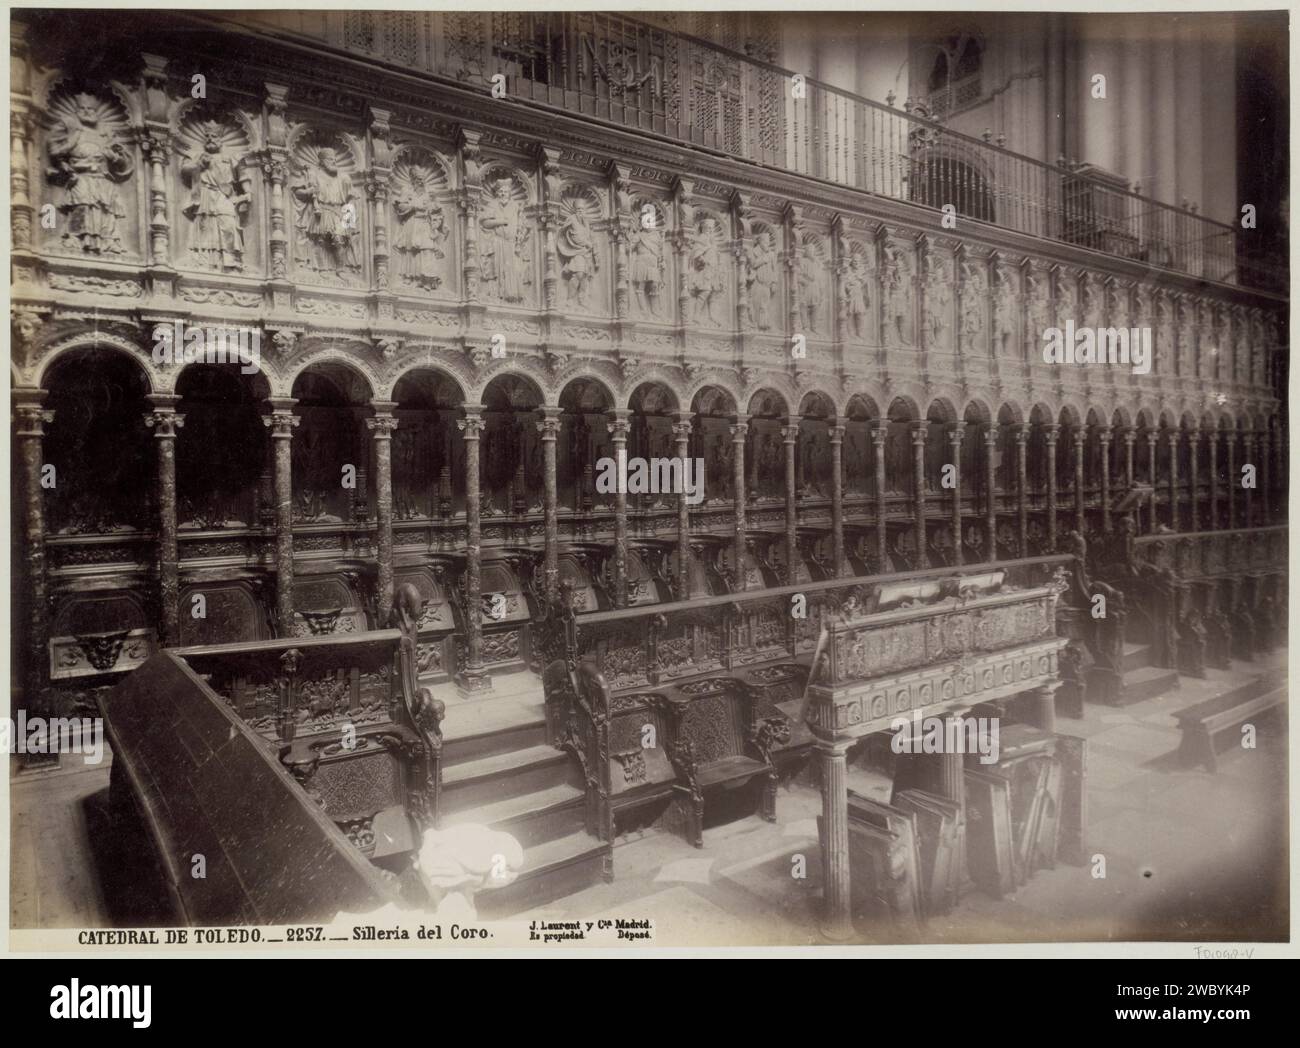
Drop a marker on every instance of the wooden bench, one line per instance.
(1213, 728)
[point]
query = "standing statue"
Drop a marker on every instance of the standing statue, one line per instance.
(856, 296)
(87, 161)
(504, 252)
(327, 216)
(577, 250)
(422, 232)
(704, 281)
(218, 199)
(647, 251)
(761, 278)
(812, 290)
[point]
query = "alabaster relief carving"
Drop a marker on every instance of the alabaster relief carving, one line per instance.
(812, 284)
(973, 293)
(1004, 308)
(896, 295)
(88, 158)
(212, 168)
(938, 297)
(505, 246)
(705, 272)
(855, 289)
(646, 256)
(328, 206)
(575, 243)
(762, 276)
(422, 232)
(1038, 290)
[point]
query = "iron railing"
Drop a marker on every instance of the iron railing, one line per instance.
(614, 68)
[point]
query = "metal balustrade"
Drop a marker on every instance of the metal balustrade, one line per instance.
(614, 68)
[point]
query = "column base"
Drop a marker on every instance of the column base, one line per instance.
(470, 683)
(837, 929)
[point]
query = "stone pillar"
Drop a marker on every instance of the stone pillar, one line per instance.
(618, 427)
(471, 677)
(836, 433)
(1045, 706)
(1173, 479)
(1212, 436)
(879, 434)
(381, 425)
(29, 429)
(738, 430)
(682, 434)
(837, 919)
(1022, 486)
(1080, 436)
(549, 427)
(282, 421)
(1194, 457)
(1230, 449)
(956, 433)
(920, 430)
(991, 491)
(1155, 487)
(790, 435)
(1104, 436)
(1053, 432)
(1130, 438)
(164, 422)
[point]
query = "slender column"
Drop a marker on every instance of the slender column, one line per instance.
(30, 419)
(790, 435)
(991, 491)
(1213, 437)
(381, 425)
(1194, 447)
(738, 430)
(1080, 435)
(282, 421)
(837, 920)
(836, 433)
(164, 422)
(956, 433)
(1230, 449)
(1045, 706)
(1173, 479)
(1130, 438)
(920, 430)
(879, 434)
(1104, 436)
(618, 426)
(682, 434)
(1248, 494)
(1155, 486)
(549, 427)
(472, 676)
(1053, 432)
(1022, 485)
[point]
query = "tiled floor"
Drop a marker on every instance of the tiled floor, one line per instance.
(1188, 855)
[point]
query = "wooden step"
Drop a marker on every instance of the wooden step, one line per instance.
(520, 736)
(531, 818)
(486, 780)
(1135, 656)
(551, 871)
(1147, 683)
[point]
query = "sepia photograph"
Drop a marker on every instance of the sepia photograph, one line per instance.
(648, 479)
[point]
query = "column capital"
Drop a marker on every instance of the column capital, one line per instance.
(281, 419)
(548, 422)
(1079, 436)
(1174, 436)
(473, 423)
(1052, 431)
(164, 422)
(956, 432)
(879, 429)
(836, 429)
(1023, 429)
(1129, 434)
(920, 430)
(682, 421)
(381, 426)
(1212, 436)
(1105, 433)
(1153, 438)
(618, 422)
(790, 431)
(29, 416)
(739, 428)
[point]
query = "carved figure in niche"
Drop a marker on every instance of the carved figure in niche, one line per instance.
(327, 213)
(856, 295)
(1004, 309)
(218, 201)
(972, 306)
(897, 305)
(504, 252)
(422, 231)
(647, 265)
(704, 281)
(938, 299)
(1040, 305)
(577, 250)
(812, 289)
(761, 278)
(719, 463)
(88, 160)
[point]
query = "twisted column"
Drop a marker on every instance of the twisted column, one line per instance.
(618, 426)
(381, 426)
(282, 421)
(164, 422)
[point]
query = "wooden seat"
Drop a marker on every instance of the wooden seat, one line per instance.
(730, 769)
(1213, 728)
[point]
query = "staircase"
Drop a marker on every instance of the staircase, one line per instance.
(499, 772)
